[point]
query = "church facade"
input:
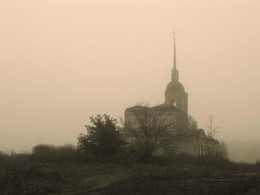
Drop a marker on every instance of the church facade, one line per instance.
(175, 109)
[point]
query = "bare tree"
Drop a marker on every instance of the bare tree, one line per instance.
(150, 128)
(212, 131)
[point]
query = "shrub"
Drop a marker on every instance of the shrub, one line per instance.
(49, 153)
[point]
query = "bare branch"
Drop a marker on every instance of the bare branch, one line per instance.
(150, 127)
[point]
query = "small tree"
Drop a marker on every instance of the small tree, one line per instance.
(103, 137)
(149, 129)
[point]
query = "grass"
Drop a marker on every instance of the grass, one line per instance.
(72, 178)
(161, 184)
(30, 174)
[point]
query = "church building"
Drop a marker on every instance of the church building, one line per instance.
(175, 109)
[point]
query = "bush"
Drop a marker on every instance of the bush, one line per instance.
(49, 153)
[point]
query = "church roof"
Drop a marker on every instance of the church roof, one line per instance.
(199, 133)
(166, 107)
(161, 107)
(174, 87)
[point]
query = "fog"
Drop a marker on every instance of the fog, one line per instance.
(63, 61)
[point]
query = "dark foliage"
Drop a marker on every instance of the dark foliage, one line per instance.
(103, 137)
(49, 153)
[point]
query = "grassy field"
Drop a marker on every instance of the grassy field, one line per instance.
(22, 177)
(64, 170)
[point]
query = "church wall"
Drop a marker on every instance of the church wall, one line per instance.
(195, 146)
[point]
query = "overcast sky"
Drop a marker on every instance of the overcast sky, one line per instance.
(62, 61)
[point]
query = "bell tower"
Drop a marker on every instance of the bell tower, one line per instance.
(175, 93)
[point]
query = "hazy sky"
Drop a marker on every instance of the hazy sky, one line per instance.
(62, 61)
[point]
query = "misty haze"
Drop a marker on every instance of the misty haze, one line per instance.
(170, 83)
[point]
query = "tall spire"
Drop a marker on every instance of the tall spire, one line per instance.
(174, 50)
(175, 72)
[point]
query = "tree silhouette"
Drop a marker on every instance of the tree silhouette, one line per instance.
(103, 137)
(149, 129)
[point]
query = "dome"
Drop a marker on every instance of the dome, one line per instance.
(174, 87)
